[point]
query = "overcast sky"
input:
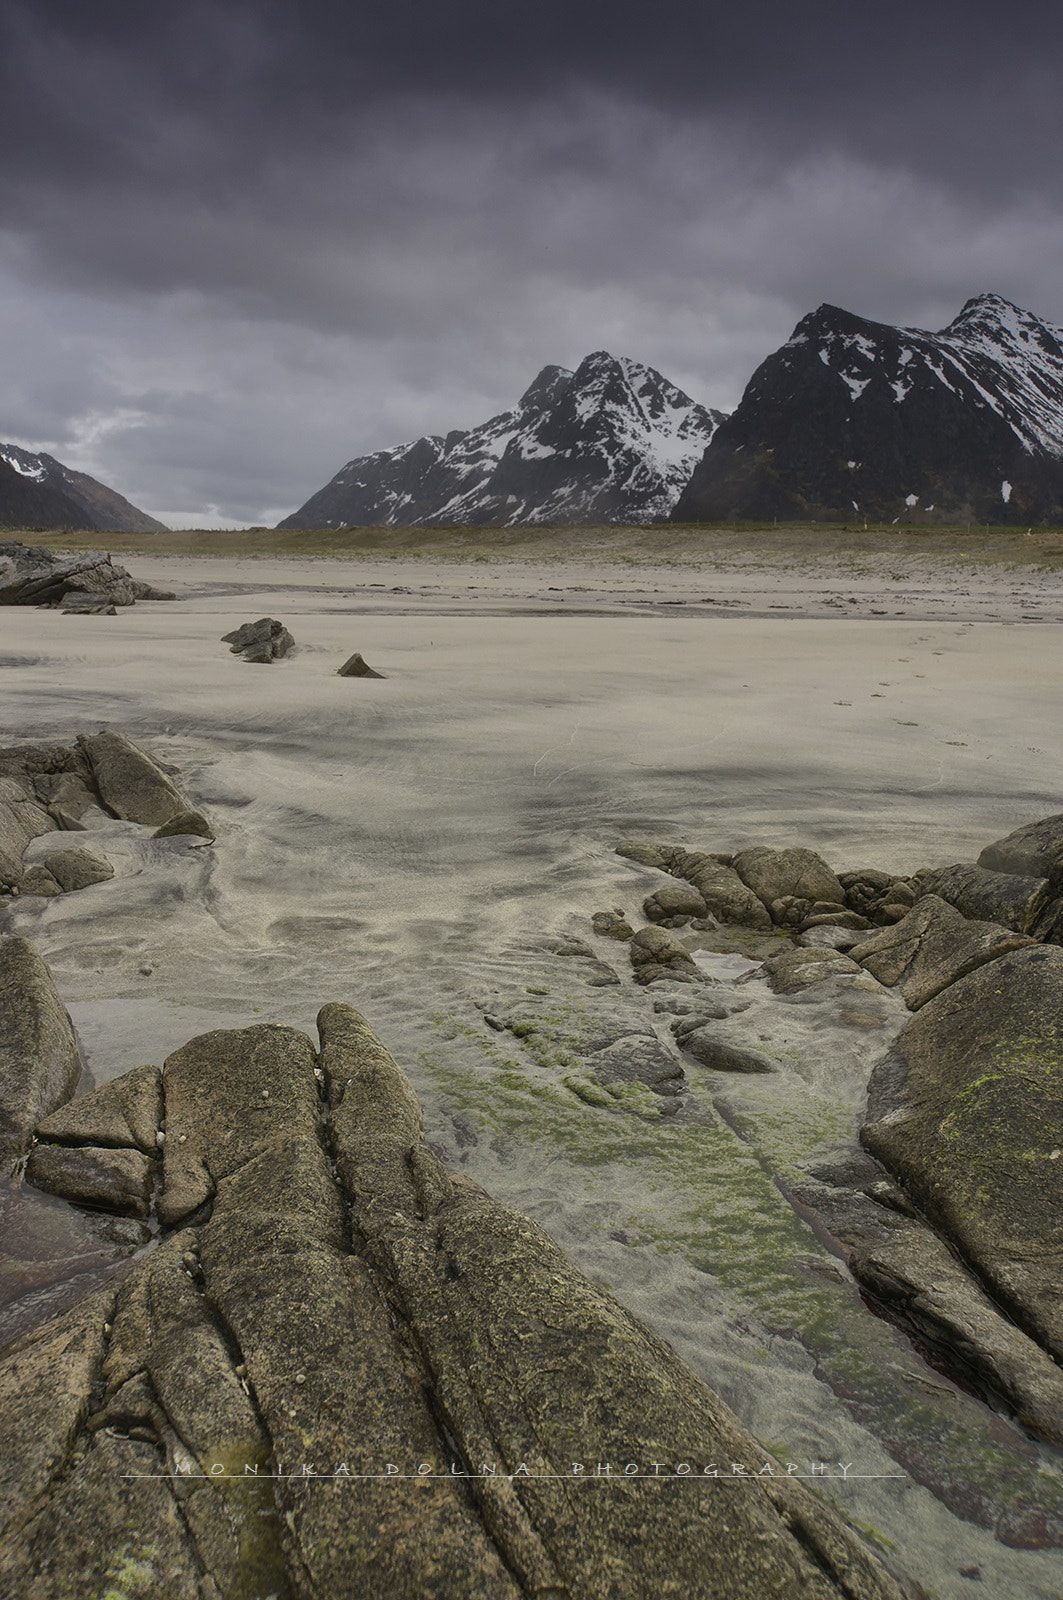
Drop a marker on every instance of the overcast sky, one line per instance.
(242, 243)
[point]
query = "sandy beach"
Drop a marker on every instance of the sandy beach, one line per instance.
(400, 843)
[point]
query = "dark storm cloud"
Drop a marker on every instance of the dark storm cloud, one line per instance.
(240, 243)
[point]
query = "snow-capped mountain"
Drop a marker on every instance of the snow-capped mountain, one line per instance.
(39, 492)
(613, 441)
(852, 418)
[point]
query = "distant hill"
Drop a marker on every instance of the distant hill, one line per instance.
(39, 492)
(852, 418)
(613, 441)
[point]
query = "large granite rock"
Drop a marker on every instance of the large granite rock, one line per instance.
(930, 948)
(336, 1304)
(39, 1059)
(263, 641)
(967, 1112)
(983, 896)
(789, 874)
(129, 783)
(917, 1279)
(33, 576)
(656, 953)
(22, 818)
(1029, 852)
(723, 891)
(125, 1113)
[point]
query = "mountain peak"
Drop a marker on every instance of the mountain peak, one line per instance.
(545, 388)
(612, 442)
(853, 417)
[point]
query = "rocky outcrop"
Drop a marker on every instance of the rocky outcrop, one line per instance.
(656, 953)
(129, 783)
(957, 1234)
(792, 888)
(917, 1279)
(967, 1112)
(999, 897)
(33, 576)
(65, 871)
(357, 667)
(1029, 852)
(45, 787)
(797, 876)
(329, 1303)
(263, 641)
(930, 948)
(39, 1059)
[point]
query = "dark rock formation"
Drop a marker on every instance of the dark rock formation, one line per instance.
(39, 1059)
(930, 948)
(356, 667)
(612, 442)
(852, 418)
(262, 641)
(1029, 852)
(33, 576)
(656, 953)
(128, 782)
(799, 968)
(114, 1180)
(44, 787)
(673, 907)
(36, 491)
(612, 925)
(967, 1112)
(334, 1304)
(998, 897)
(69, 870)
(917, 1279)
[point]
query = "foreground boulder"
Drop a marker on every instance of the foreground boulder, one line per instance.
(332, 1304)
(1029, 852)
(33, 576)
(263, 641)
(129, 783)
(967, 1112)
(39, 1059)
(930, 948)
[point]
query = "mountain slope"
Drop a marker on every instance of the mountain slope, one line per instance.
(613, 441)
(36, 491)
(856, 418)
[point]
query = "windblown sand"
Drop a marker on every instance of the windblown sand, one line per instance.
(393, 843)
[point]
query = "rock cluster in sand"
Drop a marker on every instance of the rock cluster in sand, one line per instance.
(44, 788)
(89, 582)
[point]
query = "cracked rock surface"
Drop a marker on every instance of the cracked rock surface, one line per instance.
(326, 1300)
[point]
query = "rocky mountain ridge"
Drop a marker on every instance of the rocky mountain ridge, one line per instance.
(853, 418)
(37, 491)
(613, 441)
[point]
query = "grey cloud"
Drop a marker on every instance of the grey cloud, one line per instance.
(244, 243)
